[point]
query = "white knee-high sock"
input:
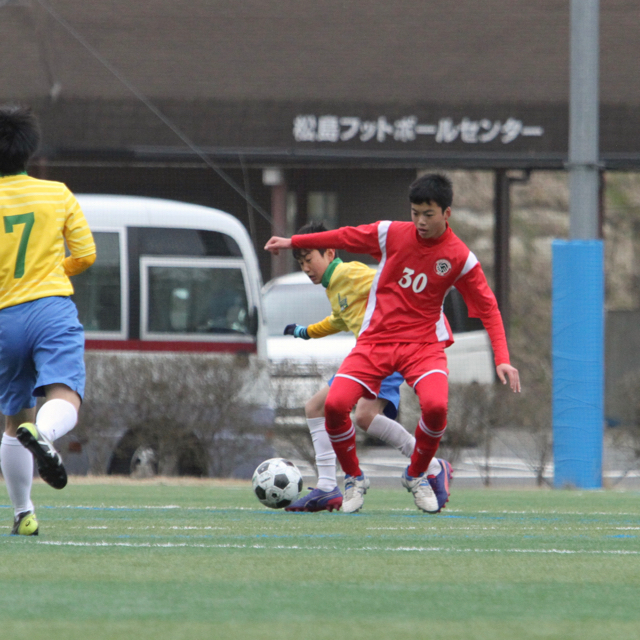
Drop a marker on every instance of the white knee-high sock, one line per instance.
(325, 455)
(56, 418)
(393, 433)
(17, 468)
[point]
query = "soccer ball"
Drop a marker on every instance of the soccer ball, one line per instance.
(277, 483)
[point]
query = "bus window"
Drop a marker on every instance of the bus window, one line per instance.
(194, 296)
(98, 291)
(154, 241)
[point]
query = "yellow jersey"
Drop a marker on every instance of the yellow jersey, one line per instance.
(37, 217)
(347, 285)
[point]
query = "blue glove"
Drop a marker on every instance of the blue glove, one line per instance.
(297, 331)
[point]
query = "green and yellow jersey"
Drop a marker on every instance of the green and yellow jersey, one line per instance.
(37, 217)
(347, 285)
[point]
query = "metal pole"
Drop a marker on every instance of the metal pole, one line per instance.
(583, 127)
(279, 263)
(274, 177)
(578, 278)
(502, 239)
(501, 236)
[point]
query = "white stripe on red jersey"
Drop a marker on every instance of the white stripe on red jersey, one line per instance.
(371, 304)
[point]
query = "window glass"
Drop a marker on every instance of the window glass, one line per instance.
(98, 293)
(154, 241)
(303, 304)
(197, 300)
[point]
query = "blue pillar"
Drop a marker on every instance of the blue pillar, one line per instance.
(578, 362)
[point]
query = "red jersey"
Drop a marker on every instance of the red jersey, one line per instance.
(407, 295)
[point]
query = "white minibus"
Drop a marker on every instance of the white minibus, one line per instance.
(169, 276)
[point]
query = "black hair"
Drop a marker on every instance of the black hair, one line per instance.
(310, 227)
(432, 188)
(19, 138)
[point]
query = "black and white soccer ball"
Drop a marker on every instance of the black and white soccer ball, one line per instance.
(277, 483)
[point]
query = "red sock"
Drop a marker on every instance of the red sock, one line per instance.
(345, 449)
(433, 392)
(427, 442)
(343, 395)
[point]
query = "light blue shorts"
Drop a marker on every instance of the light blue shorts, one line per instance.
(389, 391)
(41, 343)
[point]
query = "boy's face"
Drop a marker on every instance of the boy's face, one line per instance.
(314, 263)
(430, 220)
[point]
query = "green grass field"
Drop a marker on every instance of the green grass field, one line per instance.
(202, 559)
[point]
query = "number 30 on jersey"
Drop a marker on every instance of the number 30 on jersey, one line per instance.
(417, 284)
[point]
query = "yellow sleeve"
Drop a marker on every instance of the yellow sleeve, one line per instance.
(73, 266)
(326, 327)
(77, 234)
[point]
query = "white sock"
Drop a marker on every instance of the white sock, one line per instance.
(325, 455)
(392, 433)
(16, 463)
(56, 418)
(434, 467)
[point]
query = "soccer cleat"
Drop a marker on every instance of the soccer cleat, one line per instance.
(423, 494)
(48, 460)
(318, 500)
(354, 489)
(440, 483)
(25, 524)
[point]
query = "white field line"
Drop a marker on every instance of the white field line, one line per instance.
(173, 545)
(135, 507)
(424, 529)
(396, 511)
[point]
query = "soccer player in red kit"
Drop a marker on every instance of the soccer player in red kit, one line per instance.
(404, 327)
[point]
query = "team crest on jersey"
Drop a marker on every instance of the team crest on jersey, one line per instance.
(442, 267)
(342, 302)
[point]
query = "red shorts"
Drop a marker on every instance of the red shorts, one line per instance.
(370, 363)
